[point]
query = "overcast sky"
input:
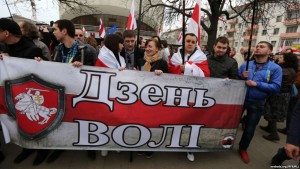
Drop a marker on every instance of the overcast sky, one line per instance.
(46, 10)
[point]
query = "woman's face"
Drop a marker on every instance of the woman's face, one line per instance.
(120, 47)
(280, 59)
(151, 49)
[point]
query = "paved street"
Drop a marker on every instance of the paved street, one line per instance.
(260, 151)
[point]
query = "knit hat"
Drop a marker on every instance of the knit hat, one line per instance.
(10, 26)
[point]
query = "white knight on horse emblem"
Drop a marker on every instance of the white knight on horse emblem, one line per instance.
(31, 105)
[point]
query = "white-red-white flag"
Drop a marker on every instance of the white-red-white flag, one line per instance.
(84, 31)
(159, 32)
(282, 46)
(101, 29)
(195, 21)
(131, 23)
(179, 39)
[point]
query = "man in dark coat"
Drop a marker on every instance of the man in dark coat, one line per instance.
(133, 58)
(220, 64)
(18, 46)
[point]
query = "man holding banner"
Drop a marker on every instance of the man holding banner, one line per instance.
(262, 79)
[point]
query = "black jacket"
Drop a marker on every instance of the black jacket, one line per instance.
(293, 135)
(157, 65)
(89, 58)
(222, 67)
(139, 57)
(25, 48)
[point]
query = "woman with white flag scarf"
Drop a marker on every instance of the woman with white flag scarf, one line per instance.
(109, 55)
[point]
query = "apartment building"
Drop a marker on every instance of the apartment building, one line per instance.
(283, 29)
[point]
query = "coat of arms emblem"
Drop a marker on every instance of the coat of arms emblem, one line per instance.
(37, 105)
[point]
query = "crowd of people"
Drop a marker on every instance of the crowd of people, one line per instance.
(268, 81)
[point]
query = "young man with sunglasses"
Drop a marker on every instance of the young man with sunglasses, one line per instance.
(79, 35)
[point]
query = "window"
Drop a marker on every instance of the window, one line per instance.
(264, 32)
(240, 25)
(225, 27)
(232, 26)
(236, 44)
(279, 18)
(292, 29)
(244, 34)
(220, 28)
(273, 43)
(276, 31)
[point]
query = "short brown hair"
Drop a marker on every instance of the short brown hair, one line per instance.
(270, 46)
(128, 34)
(155, 42)
(223, 40)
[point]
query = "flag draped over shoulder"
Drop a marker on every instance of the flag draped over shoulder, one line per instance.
(106, 58)
(195, 65)
(101, 29)
(131, 23)
(195, 21)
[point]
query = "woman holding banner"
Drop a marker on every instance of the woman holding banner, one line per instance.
(153, 63)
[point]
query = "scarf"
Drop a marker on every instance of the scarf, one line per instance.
(149, 60)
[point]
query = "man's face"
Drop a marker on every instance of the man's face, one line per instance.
(129, 43)
(190, 44)
(262, 49)
(59, 35)
(220, 49)
(79, 35)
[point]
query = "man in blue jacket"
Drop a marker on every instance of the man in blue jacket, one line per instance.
(262, 79)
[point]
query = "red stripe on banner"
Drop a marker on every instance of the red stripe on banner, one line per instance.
(218, 116)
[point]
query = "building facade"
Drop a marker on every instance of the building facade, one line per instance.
(112, 12)
(282, 31)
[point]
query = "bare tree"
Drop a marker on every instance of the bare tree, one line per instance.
(73, 5)
(220, 8)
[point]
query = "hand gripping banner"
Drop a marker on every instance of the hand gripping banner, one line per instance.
(56, 106)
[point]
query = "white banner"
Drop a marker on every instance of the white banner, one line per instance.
(56, 106)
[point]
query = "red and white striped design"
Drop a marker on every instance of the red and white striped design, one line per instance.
(106, 58)
(159, 32)
(195, 21)
(197, 64)
(131, 23)
(179, 39)
(282, 46)
(101, 29)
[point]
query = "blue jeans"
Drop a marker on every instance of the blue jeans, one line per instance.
(255, 110)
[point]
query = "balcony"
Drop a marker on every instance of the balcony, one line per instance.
(293, 7)
(231, 39)
(294, 21)
(231, 30)
(248, 37)
(289, 35)
(255, 27)
(232, 21)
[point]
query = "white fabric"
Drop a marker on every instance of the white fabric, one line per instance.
(239, 59)
(109, 59)
(190, 67)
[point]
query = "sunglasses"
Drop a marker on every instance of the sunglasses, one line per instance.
(80, 35)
